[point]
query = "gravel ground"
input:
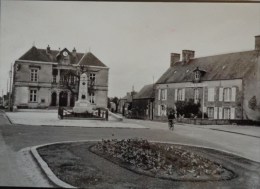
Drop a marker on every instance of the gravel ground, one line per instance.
(76, 165)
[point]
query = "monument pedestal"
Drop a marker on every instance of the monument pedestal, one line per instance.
(83, 106)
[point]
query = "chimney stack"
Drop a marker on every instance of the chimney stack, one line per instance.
(187, 55)
(257, 42)
(48, 50)
(175, 57)
(74, 52)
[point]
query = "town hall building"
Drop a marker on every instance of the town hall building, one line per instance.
(46, 78)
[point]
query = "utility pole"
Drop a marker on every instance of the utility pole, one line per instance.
(10, 88)
(3, 97)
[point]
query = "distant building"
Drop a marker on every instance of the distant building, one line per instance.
(227, 86)
(49, 78)
(125, 103)
(143, 103)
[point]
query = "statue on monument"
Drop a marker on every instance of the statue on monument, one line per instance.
(82, 105)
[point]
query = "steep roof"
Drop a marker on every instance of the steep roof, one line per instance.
(35, 54)
(218, 67)
(91, 60)
(146, 92)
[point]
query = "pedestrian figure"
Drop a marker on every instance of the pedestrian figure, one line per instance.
(171, 117)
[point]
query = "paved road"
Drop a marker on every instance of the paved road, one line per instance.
(16, 137)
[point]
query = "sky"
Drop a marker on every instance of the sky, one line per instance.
(133, 39)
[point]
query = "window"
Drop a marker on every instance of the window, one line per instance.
(210, 111)
(162, 110)
(92, 78)
(226, 112)
(197, 75)
(164, 94)
(181, 95)
(33, 95)
(211, 94)
(92, 98)
(196, 95)
(54, 79)
(34, 75)
(227, 94)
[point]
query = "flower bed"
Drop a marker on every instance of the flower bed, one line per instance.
(161, 160)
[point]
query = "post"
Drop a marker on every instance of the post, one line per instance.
(203, 93)
(10, 77)
(107, 115)
(3, 97)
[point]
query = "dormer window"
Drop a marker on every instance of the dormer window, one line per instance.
(198, 73)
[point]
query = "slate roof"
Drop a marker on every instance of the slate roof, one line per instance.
(146, 92)
(218, 67)
(35, 54)
(91, 60)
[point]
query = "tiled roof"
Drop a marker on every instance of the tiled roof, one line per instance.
(218, 67)
(91, 60)
(35, 54)
(146, 92)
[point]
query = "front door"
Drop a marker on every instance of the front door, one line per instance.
(63, 98)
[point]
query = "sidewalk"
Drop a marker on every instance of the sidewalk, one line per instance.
(50, 118)
(237, 129)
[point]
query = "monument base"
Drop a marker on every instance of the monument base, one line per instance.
(83, 107)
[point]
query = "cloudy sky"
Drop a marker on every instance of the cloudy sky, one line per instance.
(133, 39)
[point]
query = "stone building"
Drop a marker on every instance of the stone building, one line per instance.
(227, 86)
(49, 78)
(143, 103)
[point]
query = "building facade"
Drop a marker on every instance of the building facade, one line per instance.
(46, 78)
(226, 86)
(143, 103)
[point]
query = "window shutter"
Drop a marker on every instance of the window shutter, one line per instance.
(220, 113)
(233, 93)
(159, 94)
(176, 95)
(165, 94)
(159, 110)
(220, 94)
(211, 94)
(215, 112)
(232, 113)
(183, 94)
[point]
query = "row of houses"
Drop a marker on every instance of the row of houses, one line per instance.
(226, 87)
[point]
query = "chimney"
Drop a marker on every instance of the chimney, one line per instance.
(74, 52)
(48, 50)
(187, 55)
(175, 57)
(257, 42)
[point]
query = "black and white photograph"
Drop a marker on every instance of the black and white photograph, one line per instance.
(130, 94)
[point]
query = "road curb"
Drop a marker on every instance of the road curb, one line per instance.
(6, 116)
(56, 181)
(48, 172)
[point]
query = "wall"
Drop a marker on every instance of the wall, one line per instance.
(203, 86)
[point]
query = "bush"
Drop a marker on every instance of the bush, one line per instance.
(188, 109)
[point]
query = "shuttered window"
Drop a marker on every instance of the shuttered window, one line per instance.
(232, 113)
(159, 94)
(211, 94)
(233, 94)
(220, 94)
(215, 112)
(220, 113)
(176, 95)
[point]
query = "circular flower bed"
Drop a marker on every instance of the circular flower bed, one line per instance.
(160, 160)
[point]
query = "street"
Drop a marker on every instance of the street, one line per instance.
(14, 138)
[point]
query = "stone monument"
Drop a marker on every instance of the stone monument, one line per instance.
(82, 105)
